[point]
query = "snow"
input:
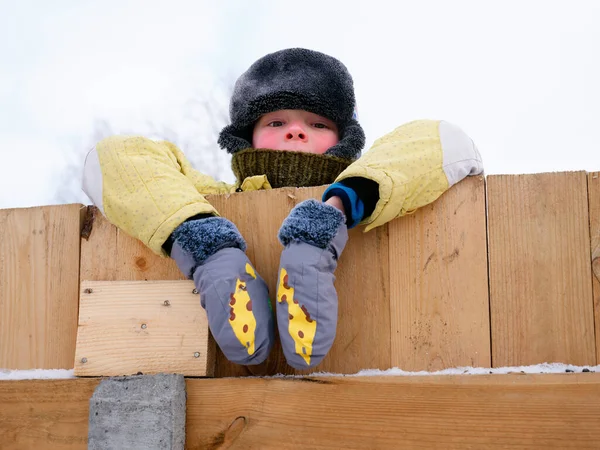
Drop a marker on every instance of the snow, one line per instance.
(36, 374)
(538, 368)
(532, 369)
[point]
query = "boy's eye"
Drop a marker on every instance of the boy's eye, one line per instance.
(275, 123)
(320, 125)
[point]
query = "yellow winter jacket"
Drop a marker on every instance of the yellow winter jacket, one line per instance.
(148, 188)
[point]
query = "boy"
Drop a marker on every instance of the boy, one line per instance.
(293, 123)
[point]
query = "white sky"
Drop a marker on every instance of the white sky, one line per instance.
(520, 77)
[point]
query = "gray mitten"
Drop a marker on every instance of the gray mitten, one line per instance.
(314, 236)
(235, 297)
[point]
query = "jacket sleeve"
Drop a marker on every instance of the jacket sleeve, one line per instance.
(413, 166)
(146, 188)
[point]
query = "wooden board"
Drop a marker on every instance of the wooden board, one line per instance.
(45, 414)
(258, 216)
(363, 337)
(464, 411)
(439, 283)
(540, 278)
(496, 411)
(109, 254)
(39, 286)
(142, 326)
(362, 283)
(594, 205)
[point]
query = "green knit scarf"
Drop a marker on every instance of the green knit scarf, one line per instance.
(287, 168)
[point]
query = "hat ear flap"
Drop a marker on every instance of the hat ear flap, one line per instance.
(234, 139)
(351, 142)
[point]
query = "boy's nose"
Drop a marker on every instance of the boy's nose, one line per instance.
(296, 133)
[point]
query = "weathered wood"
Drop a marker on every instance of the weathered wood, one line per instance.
(464, 411)
(98, 247)
(540, 278)
(362, 284)
(496, 411)
(594, 205)
(126, 327)
(258, 216)
(45, 414)
(110, 254)
(39, 286)
(439, 283)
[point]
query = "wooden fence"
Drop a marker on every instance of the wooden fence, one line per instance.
(498, 272)
(555, 411)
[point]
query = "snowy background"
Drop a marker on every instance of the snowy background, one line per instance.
(520, 77)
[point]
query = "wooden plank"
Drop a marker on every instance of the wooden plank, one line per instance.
(540, 278)
(258, 216)
(126, 327)
(109, 254)
(462, 411)
(39, 286)
(45, 414)
(363, 339)
(594, 205)
(362, 283)
(439, 284)
(98, 247)
(451, 412)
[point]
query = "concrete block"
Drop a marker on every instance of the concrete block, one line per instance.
(140, 412)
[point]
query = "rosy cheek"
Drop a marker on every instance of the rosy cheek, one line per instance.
(327, 142)
(262, 138)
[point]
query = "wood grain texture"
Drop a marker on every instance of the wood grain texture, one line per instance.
(594, 206)
(463, 411)
(453, 412)
(362, 283)
(45, 414)
(126, 327)
(110, 254)
(439, 283)
(258, 216)
(39, 286)
(540, 278)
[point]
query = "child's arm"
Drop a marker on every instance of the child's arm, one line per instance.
(147, 188)
(355, 197)
(411, 167)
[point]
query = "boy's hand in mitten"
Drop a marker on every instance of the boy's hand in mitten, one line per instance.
(314, 236)
(211, 251)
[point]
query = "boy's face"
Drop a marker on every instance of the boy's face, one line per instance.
(296, 130)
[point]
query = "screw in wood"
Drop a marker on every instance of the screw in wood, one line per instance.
(88, 291)
(197, 355)
(83, 360)
(167, 303)
(195, 291)
(144, 326)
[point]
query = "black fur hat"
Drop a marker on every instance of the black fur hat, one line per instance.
(295, 78)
